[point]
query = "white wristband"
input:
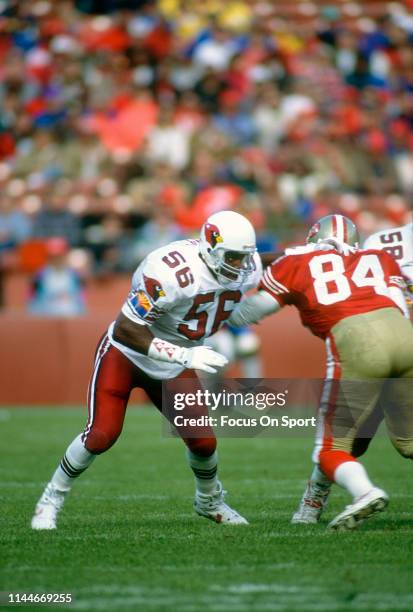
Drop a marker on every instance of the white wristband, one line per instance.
(162, 350)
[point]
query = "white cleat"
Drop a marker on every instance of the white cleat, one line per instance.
(214, 508)
(47, 508)
(312, 504)
(363, 508)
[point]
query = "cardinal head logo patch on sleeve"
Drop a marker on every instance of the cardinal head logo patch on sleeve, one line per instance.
(153, 288)
(143, 300)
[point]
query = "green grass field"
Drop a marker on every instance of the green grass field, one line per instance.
(128, 538)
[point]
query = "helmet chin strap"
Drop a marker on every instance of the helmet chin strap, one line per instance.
(228, 283)
(213, 272)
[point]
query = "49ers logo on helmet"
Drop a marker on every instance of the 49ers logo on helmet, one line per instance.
(314, 230)
(212, 234)
(153, 288)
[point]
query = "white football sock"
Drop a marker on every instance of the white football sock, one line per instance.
(205, 471)
(319, 478)
(352, 476)
(75, 461)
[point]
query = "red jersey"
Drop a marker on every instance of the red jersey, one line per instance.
(327, 287)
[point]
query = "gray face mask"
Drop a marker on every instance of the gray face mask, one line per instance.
(235, 268)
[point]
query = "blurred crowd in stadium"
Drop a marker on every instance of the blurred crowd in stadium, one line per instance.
(122, 130)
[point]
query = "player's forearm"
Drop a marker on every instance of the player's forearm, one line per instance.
(139, 338)
(253, 308)
(136, 337)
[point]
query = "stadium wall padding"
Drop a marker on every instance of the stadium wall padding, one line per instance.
(49, 361)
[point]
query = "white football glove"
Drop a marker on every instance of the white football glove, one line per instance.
(197, 358)
(202, 358)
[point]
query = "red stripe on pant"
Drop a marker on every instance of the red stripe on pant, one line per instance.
(329, 458)
(113, 378)
(332, 399)
(102, 347)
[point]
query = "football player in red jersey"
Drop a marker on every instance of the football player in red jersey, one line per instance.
(181, 294)
(353, 299)
(398, 242)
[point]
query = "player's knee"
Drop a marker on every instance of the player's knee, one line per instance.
(404, 447)
(204, 447)
(360, 445)
(98, 442)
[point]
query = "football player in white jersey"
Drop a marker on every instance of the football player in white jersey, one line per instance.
(181, 294)
(398, 242)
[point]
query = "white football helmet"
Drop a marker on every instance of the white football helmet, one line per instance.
(227, 245)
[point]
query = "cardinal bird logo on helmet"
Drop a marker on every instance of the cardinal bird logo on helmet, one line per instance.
(212, 234)
(153, 288)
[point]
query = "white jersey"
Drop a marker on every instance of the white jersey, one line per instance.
(398, 242)
(176, 295)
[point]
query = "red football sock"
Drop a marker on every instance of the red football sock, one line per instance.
(331, 459)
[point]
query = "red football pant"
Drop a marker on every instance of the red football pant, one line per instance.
(113, 378)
